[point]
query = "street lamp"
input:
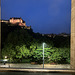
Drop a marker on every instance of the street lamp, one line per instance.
(9, 60)
(43, 54)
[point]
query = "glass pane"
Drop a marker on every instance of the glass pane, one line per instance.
(44, 44)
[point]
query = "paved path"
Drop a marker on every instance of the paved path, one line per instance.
(19, 67)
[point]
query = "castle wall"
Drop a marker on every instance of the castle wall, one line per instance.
(14, 21)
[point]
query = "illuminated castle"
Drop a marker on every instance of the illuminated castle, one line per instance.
(16, 21)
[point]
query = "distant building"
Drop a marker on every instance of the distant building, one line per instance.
(54, 35)
(63, 34)
(17, 21)
(51, 35)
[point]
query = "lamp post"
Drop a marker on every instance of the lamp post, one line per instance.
(9, 60)
(43, 55)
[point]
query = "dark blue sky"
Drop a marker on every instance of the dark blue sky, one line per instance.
(44, 16)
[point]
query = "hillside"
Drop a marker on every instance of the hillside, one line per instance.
(20, 43)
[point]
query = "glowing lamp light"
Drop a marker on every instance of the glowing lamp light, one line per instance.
(5, 57)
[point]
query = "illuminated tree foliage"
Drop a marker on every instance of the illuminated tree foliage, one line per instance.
(22, 51)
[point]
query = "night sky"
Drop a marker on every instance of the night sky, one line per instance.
(44, 16)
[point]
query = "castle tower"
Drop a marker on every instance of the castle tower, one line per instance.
(72, 52)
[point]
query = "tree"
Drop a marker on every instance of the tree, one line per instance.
(60, 55)
(55, 55)
(22, 51)
(38, 53)
(9, 51)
